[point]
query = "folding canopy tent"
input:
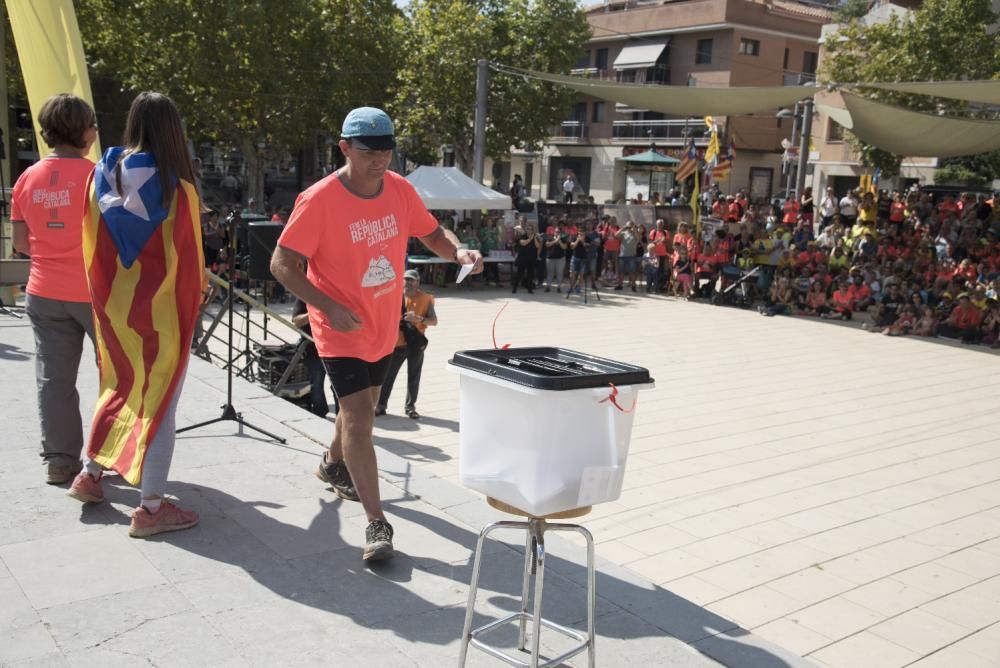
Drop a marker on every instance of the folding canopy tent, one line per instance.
(449, 188)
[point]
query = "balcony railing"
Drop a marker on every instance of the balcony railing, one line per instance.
(670, 130)
(798, 78)
(576, 130)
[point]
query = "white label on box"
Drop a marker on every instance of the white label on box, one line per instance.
(599, 484)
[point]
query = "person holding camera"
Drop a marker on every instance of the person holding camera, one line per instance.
(628, 256)
(418, 314)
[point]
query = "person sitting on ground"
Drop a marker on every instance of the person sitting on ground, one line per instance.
(815, 299)
(781, 298)
(904, 324)
(840, 304)
(964, 321)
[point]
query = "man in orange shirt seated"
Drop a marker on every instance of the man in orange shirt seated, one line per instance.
(964, 321)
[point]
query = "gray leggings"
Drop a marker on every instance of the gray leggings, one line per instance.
(59, 328)
(554, 270)
(159, 452)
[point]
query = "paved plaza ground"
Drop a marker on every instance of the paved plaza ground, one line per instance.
(795, 489)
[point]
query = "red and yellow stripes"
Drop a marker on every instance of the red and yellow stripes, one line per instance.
(144, 319)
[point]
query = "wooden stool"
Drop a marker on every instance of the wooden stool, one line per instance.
(534, 564)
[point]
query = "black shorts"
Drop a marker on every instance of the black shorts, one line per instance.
(350, 374)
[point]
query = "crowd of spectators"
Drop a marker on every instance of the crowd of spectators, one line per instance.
(898, 262)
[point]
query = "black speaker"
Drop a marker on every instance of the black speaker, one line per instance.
(262, 238)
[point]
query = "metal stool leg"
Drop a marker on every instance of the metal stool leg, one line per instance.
(591, 585)
(529, 558)
(591, 595)
(473, 588)
(538, 532)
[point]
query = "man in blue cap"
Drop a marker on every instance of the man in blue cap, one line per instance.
(353, 227)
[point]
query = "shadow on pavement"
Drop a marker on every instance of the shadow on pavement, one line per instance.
(420, 594)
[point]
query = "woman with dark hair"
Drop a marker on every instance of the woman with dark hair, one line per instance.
(142, 244)
(46, 220)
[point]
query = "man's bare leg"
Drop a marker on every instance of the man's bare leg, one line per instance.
(353, 443)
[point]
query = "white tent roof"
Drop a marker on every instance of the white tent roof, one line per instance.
(449, 188)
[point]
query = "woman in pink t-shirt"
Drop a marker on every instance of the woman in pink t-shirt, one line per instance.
(47, 218)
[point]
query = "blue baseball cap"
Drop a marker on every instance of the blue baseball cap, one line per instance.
(370, 127)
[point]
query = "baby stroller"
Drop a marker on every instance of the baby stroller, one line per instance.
(736, 288)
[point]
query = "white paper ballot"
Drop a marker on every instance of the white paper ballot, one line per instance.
(463, 272)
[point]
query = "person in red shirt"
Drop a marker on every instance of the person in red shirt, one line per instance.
(790, 212)
(47, 220)
(353, 227)
(612, 244)
(718, 207)
(733, 210)
(661, 237)
(841, 303)
(964, 321)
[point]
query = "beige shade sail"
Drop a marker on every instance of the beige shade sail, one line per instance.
(681, 100)
(905, 132)
(987, 91)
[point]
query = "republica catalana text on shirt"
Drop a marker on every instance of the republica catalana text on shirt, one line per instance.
(374, 231)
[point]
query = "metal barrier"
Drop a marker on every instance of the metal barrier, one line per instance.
(264, 356)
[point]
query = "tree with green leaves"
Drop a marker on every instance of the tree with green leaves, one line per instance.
(436, 97)
(258, 74)
(942, 40)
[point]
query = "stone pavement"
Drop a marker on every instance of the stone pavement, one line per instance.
(272, 576)
(834, 492)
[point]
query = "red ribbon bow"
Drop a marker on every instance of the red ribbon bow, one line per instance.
(613, 398)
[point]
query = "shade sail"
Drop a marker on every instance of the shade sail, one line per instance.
(449, 188)
(651, 158)
(639, 56)
(972, 91)
(682, 100)
(905, 132)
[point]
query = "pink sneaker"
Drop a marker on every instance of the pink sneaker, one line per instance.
(85, 489)
(168, 518)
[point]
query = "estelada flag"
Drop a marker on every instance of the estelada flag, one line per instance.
(145, 270)
(689, 165)
(721, 170)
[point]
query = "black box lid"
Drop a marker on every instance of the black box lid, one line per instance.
(550, 368)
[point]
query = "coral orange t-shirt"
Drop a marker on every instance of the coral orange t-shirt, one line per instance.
(49, 197)
(356, 247)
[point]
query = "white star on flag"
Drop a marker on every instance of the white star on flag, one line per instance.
(133, 179)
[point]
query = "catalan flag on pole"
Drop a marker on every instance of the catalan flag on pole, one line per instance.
(145, 271)
(725, 164)
(689, 165)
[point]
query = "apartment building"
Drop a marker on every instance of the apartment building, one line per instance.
(713, 43)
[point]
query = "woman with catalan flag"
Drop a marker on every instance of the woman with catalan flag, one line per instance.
(143, 255)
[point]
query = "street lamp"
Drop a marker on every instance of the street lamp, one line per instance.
(652, 153)
(804, 112)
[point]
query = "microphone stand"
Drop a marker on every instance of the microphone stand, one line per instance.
(229, 413)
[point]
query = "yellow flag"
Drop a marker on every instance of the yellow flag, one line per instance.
(712, 151)
(696, 205)
(48, 44)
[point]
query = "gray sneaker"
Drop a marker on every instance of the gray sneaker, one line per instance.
(61, 470)
(378, 541)
(338, 477)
